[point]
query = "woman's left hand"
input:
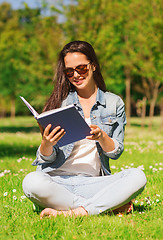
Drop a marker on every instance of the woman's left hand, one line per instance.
(96, 133)
(99, 135)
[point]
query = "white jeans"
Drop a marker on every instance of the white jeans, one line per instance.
(95, 194)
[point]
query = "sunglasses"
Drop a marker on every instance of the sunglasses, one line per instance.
(80, 69)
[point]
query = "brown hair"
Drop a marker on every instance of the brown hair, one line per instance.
(63, 86)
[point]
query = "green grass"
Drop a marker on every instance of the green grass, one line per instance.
(19, 140)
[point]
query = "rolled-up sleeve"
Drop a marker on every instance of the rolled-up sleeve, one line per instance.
(118, 132)
(116, 150)
(40, 159)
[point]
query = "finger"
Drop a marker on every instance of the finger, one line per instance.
(54, 131)
(58, 136)
(93, 126)
(47, 129)
(89, 137)
(41, 128)
(94, 136)
(95, 131)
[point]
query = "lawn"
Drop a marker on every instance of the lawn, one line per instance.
(19, 140)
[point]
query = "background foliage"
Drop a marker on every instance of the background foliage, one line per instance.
(127, 36)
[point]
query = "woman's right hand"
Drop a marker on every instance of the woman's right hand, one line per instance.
(50, 139)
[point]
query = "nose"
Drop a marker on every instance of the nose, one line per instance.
(76, 74)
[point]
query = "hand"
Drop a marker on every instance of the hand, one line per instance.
(97, 133)
(104, 140)
(50, 139)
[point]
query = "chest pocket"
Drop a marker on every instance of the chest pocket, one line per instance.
(109, 124)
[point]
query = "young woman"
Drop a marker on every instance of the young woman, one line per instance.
(76, 179)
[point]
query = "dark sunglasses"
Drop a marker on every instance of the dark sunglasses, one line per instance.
(80, 69)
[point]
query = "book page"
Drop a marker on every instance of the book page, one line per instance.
(33, 111)
(44, 114)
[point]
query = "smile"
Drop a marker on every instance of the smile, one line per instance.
(79, 81)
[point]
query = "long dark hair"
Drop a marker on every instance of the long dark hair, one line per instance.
(63, 85)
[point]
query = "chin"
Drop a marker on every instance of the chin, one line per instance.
(80, 87)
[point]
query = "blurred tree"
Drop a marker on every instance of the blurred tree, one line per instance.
(127, 36)
(29, 45)
(117, 29)
(42, 47)
(104, 24)
(147, 54)
(10, 41)
(92, 21)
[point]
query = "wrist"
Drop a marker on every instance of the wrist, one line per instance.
(106, 142)
(103, 136)
(46, 149)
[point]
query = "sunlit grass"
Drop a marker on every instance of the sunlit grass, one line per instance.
(18, 143)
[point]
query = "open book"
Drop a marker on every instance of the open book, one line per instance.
(68, 118)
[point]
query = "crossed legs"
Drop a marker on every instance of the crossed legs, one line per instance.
(78, 195)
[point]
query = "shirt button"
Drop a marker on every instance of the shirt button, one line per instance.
(109, 120)
(94, 116)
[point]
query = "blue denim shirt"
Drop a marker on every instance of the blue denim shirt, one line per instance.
(109, 114)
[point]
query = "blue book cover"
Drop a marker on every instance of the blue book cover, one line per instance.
(68, 118)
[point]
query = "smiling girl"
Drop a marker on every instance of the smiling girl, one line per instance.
(76, 179)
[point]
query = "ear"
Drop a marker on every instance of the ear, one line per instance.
(94, 67)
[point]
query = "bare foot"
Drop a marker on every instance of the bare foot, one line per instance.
(80, 211)
(125, 208)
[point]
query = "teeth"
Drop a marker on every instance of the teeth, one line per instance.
(78, 80)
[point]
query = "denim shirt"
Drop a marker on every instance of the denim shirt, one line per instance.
(109, 114)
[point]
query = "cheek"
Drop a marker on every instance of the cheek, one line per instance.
(89, 75)
(70, 80)
(86, 75)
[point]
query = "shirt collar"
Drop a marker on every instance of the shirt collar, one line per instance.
(100, 98)
(73, 98)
